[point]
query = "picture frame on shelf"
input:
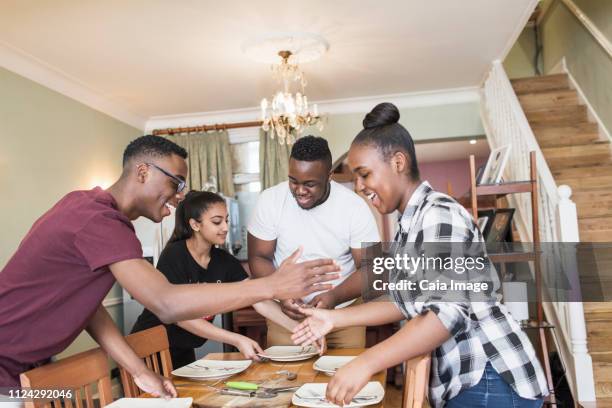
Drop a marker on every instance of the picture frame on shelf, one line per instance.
(482, 223)
(499, 225)
(479, 174)
(496, 163)
(485, 217)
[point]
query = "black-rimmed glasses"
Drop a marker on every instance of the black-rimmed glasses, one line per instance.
(180, 184)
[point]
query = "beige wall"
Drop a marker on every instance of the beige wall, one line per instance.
(51, 145)
(423, 123)
(564, 36)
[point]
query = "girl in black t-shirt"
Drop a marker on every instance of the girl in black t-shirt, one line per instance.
(191, 257)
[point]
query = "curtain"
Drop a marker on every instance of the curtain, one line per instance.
(209, 156)
(273, 160)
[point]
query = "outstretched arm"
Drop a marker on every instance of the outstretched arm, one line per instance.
(321, 321)
(168, 302)
(407, 343)
(271, 310)
(203, 328)
(104, 331)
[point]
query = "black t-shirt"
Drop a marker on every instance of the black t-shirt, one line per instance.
(179, 267)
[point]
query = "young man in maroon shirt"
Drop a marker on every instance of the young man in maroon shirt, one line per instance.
(52, 287)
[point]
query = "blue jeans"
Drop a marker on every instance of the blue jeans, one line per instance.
(491, 391)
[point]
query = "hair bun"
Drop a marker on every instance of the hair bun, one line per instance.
(383, 114)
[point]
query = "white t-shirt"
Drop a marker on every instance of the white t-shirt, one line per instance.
(329, 230)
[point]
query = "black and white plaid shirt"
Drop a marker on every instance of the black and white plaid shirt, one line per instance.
(480, 331)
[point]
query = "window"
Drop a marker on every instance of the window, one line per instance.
(244, 147)
(245, 166)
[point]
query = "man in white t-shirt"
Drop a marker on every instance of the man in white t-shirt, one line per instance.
(327, 219)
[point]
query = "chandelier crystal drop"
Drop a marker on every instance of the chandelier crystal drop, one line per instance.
(287, 115)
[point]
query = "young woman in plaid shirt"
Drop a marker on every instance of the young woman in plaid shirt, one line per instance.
(480, 356)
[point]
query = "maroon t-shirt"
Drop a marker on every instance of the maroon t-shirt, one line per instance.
(58, 277)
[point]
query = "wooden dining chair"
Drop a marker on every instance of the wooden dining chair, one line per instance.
(416, 382)
(76, 373)
(152, 346)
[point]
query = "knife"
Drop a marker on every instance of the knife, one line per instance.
(247, 386)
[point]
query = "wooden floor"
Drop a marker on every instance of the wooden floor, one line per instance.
(601, 403)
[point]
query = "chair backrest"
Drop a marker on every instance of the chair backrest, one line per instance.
(76, 373)
(152, 346)
(416, 381)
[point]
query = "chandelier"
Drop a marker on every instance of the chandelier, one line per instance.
(288, 114)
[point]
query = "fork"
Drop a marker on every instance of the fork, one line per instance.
(214, 368)
(319, 398)
(191, 385)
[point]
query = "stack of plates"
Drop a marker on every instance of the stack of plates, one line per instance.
(312, 395)
(289, 353)
(329, 364)
(212, 369)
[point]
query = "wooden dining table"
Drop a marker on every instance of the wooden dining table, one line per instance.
(267, 374)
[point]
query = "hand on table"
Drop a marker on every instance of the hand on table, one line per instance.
(318, 323)
(248, 347)
(155, 384)
(348, 381)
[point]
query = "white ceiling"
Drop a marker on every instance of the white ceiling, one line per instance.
(161, 57)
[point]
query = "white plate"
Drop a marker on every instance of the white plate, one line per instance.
(289, 353)
(373, 389)
(212, 369)
(329, 364)
(151, 403)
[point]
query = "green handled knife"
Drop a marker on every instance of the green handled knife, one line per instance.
(242, 385)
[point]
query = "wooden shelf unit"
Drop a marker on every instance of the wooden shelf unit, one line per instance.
(516, 187)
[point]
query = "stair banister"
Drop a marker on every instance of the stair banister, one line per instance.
(505, 123)
(569, 232)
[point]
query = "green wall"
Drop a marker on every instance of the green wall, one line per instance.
(589, 64)
(519, 62)
(600, 12)
(51, 145)
(423, 123)
(563, 35)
